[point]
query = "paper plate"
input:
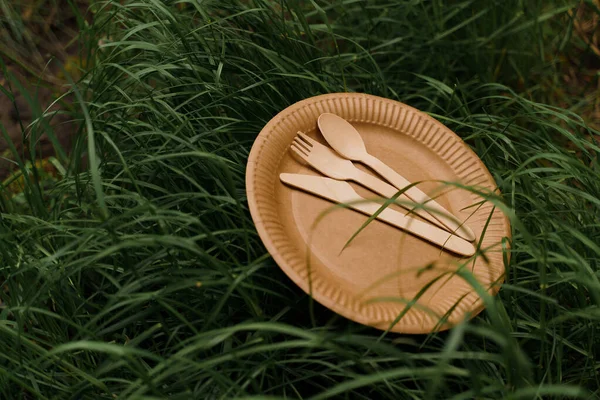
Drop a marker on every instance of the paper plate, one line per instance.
(383, 270)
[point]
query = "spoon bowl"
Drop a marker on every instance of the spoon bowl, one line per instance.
(342, 136)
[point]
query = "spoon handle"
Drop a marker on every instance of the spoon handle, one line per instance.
(426, 231)
(415, 194)
(386, 190)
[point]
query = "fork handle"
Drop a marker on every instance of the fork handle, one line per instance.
(375, 184)
(441, 215)
(418, 228)
(386, 190)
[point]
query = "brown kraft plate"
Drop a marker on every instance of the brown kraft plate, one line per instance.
(384, 273)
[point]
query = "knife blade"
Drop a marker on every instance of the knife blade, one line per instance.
(341, 192)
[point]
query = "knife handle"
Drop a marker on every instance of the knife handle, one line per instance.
(386, 190)
(418, 228)
(415, 194)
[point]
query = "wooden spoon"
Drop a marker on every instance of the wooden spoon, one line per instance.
(346, 140)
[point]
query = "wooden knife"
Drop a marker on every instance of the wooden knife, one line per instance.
(341, 192)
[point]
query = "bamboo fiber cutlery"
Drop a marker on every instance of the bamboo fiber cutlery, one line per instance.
(405, 270)
(326, 161)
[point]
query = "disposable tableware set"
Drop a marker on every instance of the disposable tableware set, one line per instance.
(411, 268)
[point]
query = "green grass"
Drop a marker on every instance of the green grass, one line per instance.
(139, 274)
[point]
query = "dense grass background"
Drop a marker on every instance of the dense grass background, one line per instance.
(138, 274)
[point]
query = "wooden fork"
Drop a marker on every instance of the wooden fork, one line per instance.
(330, 164)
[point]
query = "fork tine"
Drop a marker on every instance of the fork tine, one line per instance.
(300, 152)
(306, 138)
(302, 144)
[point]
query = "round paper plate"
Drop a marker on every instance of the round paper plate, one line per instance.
(385, 278)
